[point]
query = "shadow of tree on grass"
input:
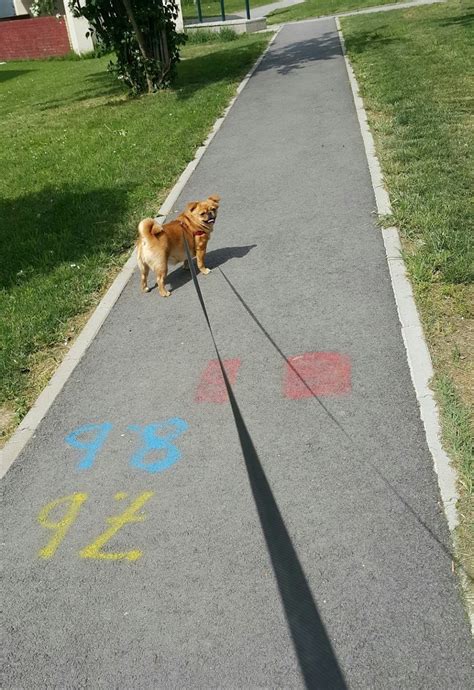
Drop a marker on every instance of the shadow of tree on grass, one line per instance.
(362, 41)
(98, 85)
(41, 230)
(6, 74)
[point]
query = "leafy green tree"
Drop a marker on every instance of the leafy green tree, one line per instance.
(44, 8)
(141, 33)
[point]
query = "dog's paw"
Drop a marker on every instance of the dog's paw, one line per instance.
(205, 271)
(167, 293)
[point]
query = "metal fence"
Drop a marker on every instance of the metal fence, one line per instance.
(194, 8)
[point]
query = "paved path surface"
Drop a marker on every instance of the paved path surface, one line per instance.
(333, 559)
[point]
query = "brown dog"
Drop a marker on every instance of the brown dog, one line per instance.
(159, 244)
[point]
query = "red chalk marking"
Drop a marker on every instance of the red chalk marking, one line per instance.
(323, 373)
(211, 387)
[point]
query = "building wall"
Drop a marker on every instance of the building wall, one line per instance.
(78, 28)
(22, 6)
(35, 37)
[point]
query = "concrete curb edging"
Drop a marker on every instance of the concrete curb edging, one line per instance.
(32, 419)
(418, 355)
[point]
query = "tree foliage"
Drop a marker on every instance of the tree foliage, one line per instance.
(141, 33)
(44, 8)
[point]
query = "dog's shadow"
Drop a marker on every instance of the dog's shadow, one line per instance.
(180, 276)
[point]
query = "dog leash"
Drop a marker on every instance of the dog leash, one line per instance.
(316, 657)
(203, 306)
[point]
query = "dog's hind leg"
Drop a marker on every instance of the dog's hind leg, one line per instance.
(161, 271)
(144, 269)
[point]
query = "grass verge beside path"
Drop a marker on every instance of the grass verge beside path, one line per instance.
(321, 8)
(83, 163)
(415, 69)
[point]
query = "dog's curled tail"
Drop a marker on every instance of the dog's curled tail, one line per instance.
(149, 228)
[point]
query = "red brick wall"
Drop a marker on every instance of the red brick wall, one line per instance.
(33, 37)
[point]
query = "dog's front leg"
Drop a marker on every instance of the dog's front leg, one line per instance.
(200, 256)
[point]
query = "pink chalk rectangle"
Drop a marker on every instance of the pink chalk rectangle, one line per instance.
(211, 387)
(317, 373)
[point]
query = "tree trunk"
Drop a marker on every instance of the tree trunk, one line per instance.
(140, 40)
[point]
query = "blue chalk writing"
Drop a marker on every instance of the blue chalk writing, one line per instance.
(155, 442)
(92, 446)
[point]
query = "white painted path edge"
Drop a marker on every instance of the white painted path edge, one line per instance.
(31, 421)
(418, 355)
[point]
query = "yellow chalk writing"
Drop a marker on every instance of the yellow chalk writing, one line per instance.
(61, 527)
(93, 550)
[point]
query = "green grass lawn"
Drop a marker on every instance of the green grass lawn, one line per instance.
(81, 163)
(416, 69)
(320, 8)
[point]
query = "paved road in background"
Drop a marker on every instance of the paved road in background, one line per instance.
(265, 10)
(141, 550)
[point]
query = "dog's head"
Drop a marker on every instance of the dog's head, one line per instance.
(204, 213)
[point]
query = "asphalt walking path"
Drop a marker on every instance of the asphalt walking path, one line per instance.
(142, 549)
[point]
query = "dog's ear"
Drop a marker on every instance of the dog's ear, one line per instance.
(214, 198)
(192, 205)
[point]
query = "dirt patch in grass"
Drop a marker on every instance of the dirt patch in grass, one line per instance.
(8, 422)
(448, 318)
